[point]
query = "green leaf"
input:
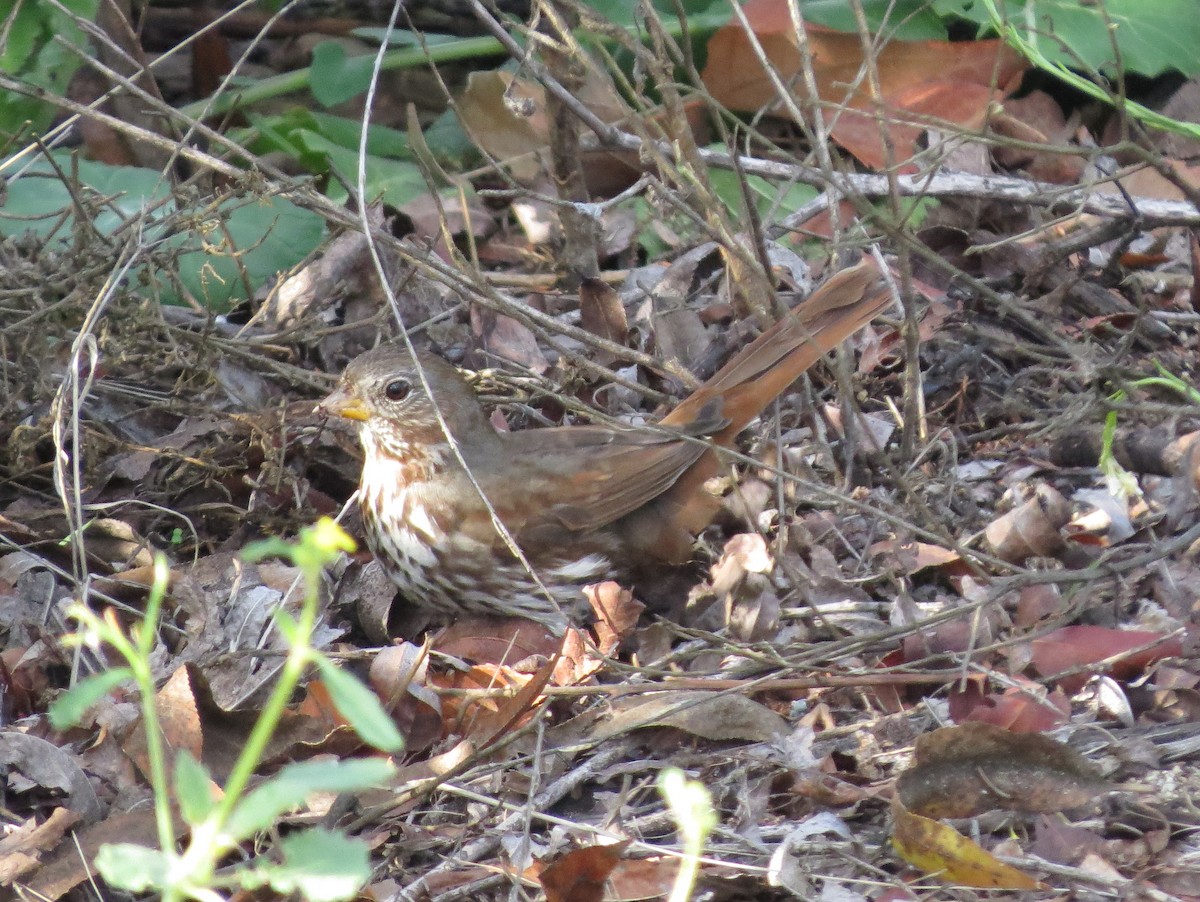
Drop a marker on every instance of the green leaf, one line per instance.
(395, 182)
(449, 142)
(398, 38)
(193, 788)
(39, 202)
(68, 708)
(648, 239)
(293, 784)
(321, 865)
(360, 706)
(273, 134)
(135, 868)
(768, 195)
(245, 242)
(1152, 37)
(227, 251)
(624, 12)
(291, 133)
(903, 20)
(33, 50)
(336, 77)
(381, 140)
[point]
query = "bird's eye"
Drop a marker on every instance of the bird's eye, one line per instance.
(397, 389)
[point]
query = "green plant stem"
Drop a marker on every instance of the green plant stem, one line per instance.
(300, 79)
(1015, 39)
(207, 844)
(155, 754)
(685, 879)
(405, 58)
(1171, 383)
(139, 663)
(299, 653)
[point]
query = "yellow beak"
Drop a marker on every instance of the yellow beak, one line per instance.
(342, 403)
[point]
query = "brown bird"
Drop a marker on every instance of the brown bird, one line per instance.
(582, 503)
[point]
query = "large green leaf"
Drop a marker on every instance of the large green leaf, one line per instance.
(193, 788)
(227, 249)
(135, 868)
(361, 707)
(36, 48)
(395, 182)
(243, 243)
(337, 77)
(903, 20)
(40, 201)
(1150, 36)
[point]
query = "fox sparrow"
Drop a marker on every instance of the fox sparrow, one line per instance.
(583, 503)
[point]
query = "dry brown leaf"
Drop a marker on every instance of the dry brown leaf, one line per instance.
(602, 313)
(637, 879)
(22, 846)
(617, 614)
(578, 661)
(709, 715)
(461, 713)
(741, 579)
(178, 717)
(229, 605)
(1083, 645)
(1036, 603)
(1063, 843)
(1149, 182)
(580, 875)
(1031, 529)
(31, 764)
(504, 337)
(966, 770)
(951, 637)
(947, 81)
(506, 115)
(1026, 708)
(65, 867)
(1036, 118)
(496, 640)
(489, 726)
(399, 675)
(909, 557)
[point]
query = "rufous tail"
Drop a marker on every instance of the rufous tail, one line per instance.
(750, 381)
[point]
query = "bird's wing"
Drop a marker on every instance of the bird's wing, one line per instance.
(580, 478)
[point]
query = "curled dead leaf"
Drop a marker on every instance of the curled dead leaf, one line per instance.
(581, 874)
(966, 770)
(1031, 529)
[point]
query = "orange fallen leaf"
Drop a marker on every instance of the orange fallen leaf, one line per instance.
(913, 557)
(952, 82)
(489, 726)
(1073, 647)
(580, 875)
(1017, 710)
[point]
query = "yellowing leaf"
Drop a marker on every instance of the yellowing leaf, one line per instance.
(944, 852)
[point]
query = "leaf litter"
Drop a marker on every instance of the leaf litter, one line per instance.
(847, 605)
